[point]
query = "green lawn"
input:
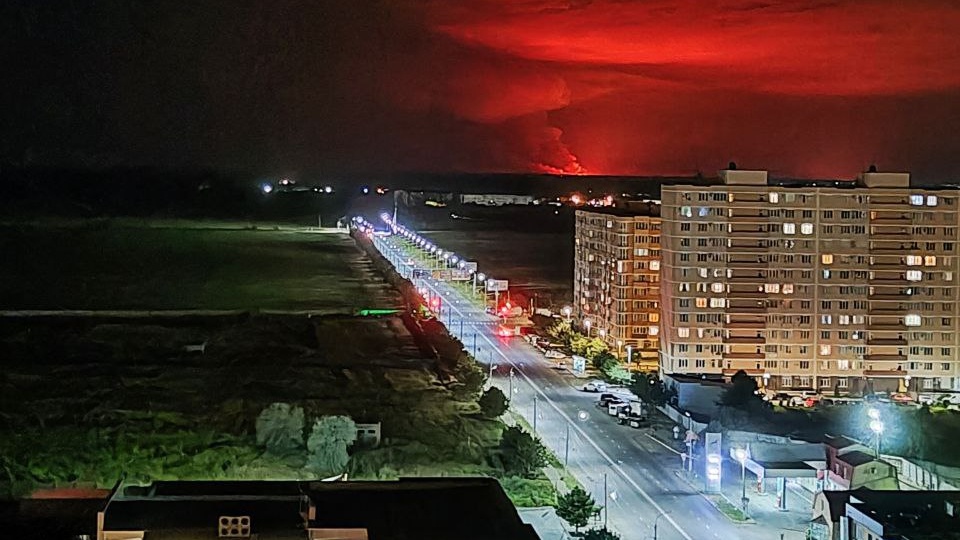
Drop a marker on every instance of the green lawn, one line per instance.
(120, 266)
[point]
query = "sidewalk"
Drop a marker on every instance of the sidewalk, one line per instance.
(761, 508)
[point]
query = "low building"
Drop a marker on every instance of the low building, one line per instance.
(851, 465)
(865, 514)
(435, 508)
(494, 199)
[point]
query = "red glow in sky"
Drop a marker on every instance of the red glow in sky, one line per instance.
(817, 88)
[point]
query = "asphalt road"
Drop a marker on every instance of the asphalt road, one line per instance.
(641, 476)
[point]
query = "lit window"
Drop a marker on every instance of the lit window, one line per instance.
(774, 198)
(916, 200)
(858, 319)
(686, 211)
(948, 276)
(788, 288)
(718, 302)
(609, 224)
(843, 364)
(683, 332)
(701, 302)
(704, 211)
(655, 265)
(914, 275)
(826, 258)
(826, 274)
(931, 200)
(914, 260)
(789, 228)
(702, 272)
(771, 287)
(930, 260)
(824, 350)
(684, 287)
(806, 228)
(654, 317)
(912, 320)
(826, 319)
(843, 319)
(717, 287)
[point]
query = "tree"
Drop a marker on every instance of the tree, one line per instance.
(649, 388)
(493, 403)
(471, 378)
(602, 359)
(742, 393)
(600, 534)
(280, 428)
(328, 443)
(576, 507)
(522, 454)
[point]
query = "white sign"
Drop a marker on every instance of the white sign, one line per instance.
(497, 285)
(579, 364)
(470, 266)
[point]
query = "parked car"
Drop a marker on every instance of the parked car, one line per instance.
(780, 399)
(556, 355)
(614, 407)
(634, 420)
(595, 386)
(604, 399)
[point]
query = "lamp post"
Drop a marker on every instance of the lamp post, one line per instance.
(619, 349)
(587, 323)
(657, 520)
(567, 311)
(876, 426)
(741, 455)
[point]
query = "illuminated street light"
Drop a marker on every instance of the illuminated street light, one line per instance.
(567, 311)
(588, 323)
(741, 455)
(876, 426)
(602, 332)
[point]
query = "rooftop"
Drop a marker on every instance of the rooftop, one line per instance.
(633, 209)
(856, 458)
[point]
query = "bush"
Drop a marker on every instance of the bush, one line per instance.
(521, 454)
(600, 534)
(527, 493)
(328, 443)
(280, 428)
(493, 403)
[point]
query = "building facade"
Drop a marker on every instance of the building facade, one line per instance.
(616, 279)
(846, 288)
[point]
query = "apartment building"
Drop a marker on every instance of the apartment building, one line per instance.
(846, 286)
(616, 279)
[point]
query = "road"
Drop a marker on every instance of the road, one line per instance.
(643, 488)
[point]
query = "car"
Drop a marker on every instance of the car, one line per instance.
(779, 398)
(604, 399)
(615, 407)
(595, 386)
(555, 355)
(632, 419)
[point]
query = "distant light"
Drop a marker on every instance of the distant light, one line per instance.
(328, 189)
(266, 188)
(365, 190)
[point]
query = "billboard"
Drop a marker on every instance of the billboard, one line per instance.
(497, 285)
(470, 266)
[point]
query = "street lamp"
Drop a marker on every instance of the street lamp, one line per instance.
(876, 426)
(619, 348)
(587, 323)
(741, 455)
(656, 520)
(567, 311)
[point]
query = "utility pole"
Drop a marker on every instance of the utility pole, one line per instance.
(474, 344)
(511, 384)
(566, 446)
(605, 509)
(534, 414)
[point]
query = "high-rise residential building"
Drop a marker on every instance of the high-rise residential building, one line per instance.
(839, 286)
(616, 285)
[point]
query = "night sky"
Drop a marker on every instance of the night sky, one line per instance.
(346, 87)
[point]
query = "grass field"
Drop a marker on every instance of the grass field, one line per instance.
(107, 265)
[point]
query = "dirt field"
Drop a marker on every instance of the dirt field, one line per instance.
(122, 265)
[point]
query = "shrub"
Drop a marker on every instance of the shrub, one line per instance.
(280, 428)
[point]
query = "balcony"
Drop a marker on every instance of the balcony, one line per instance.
(890, 296)
(749, 308)
(898, 373)
(753, 372)
(752, 232)
(886, 326)
(747, 263)
(741, 217)
(889, 279)
(891, 218)
(885, 357)
(745, 339)
(891, 232)
(747, 279)
(886, 341)
(747, 294)
(744, 324)
(742, 356)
